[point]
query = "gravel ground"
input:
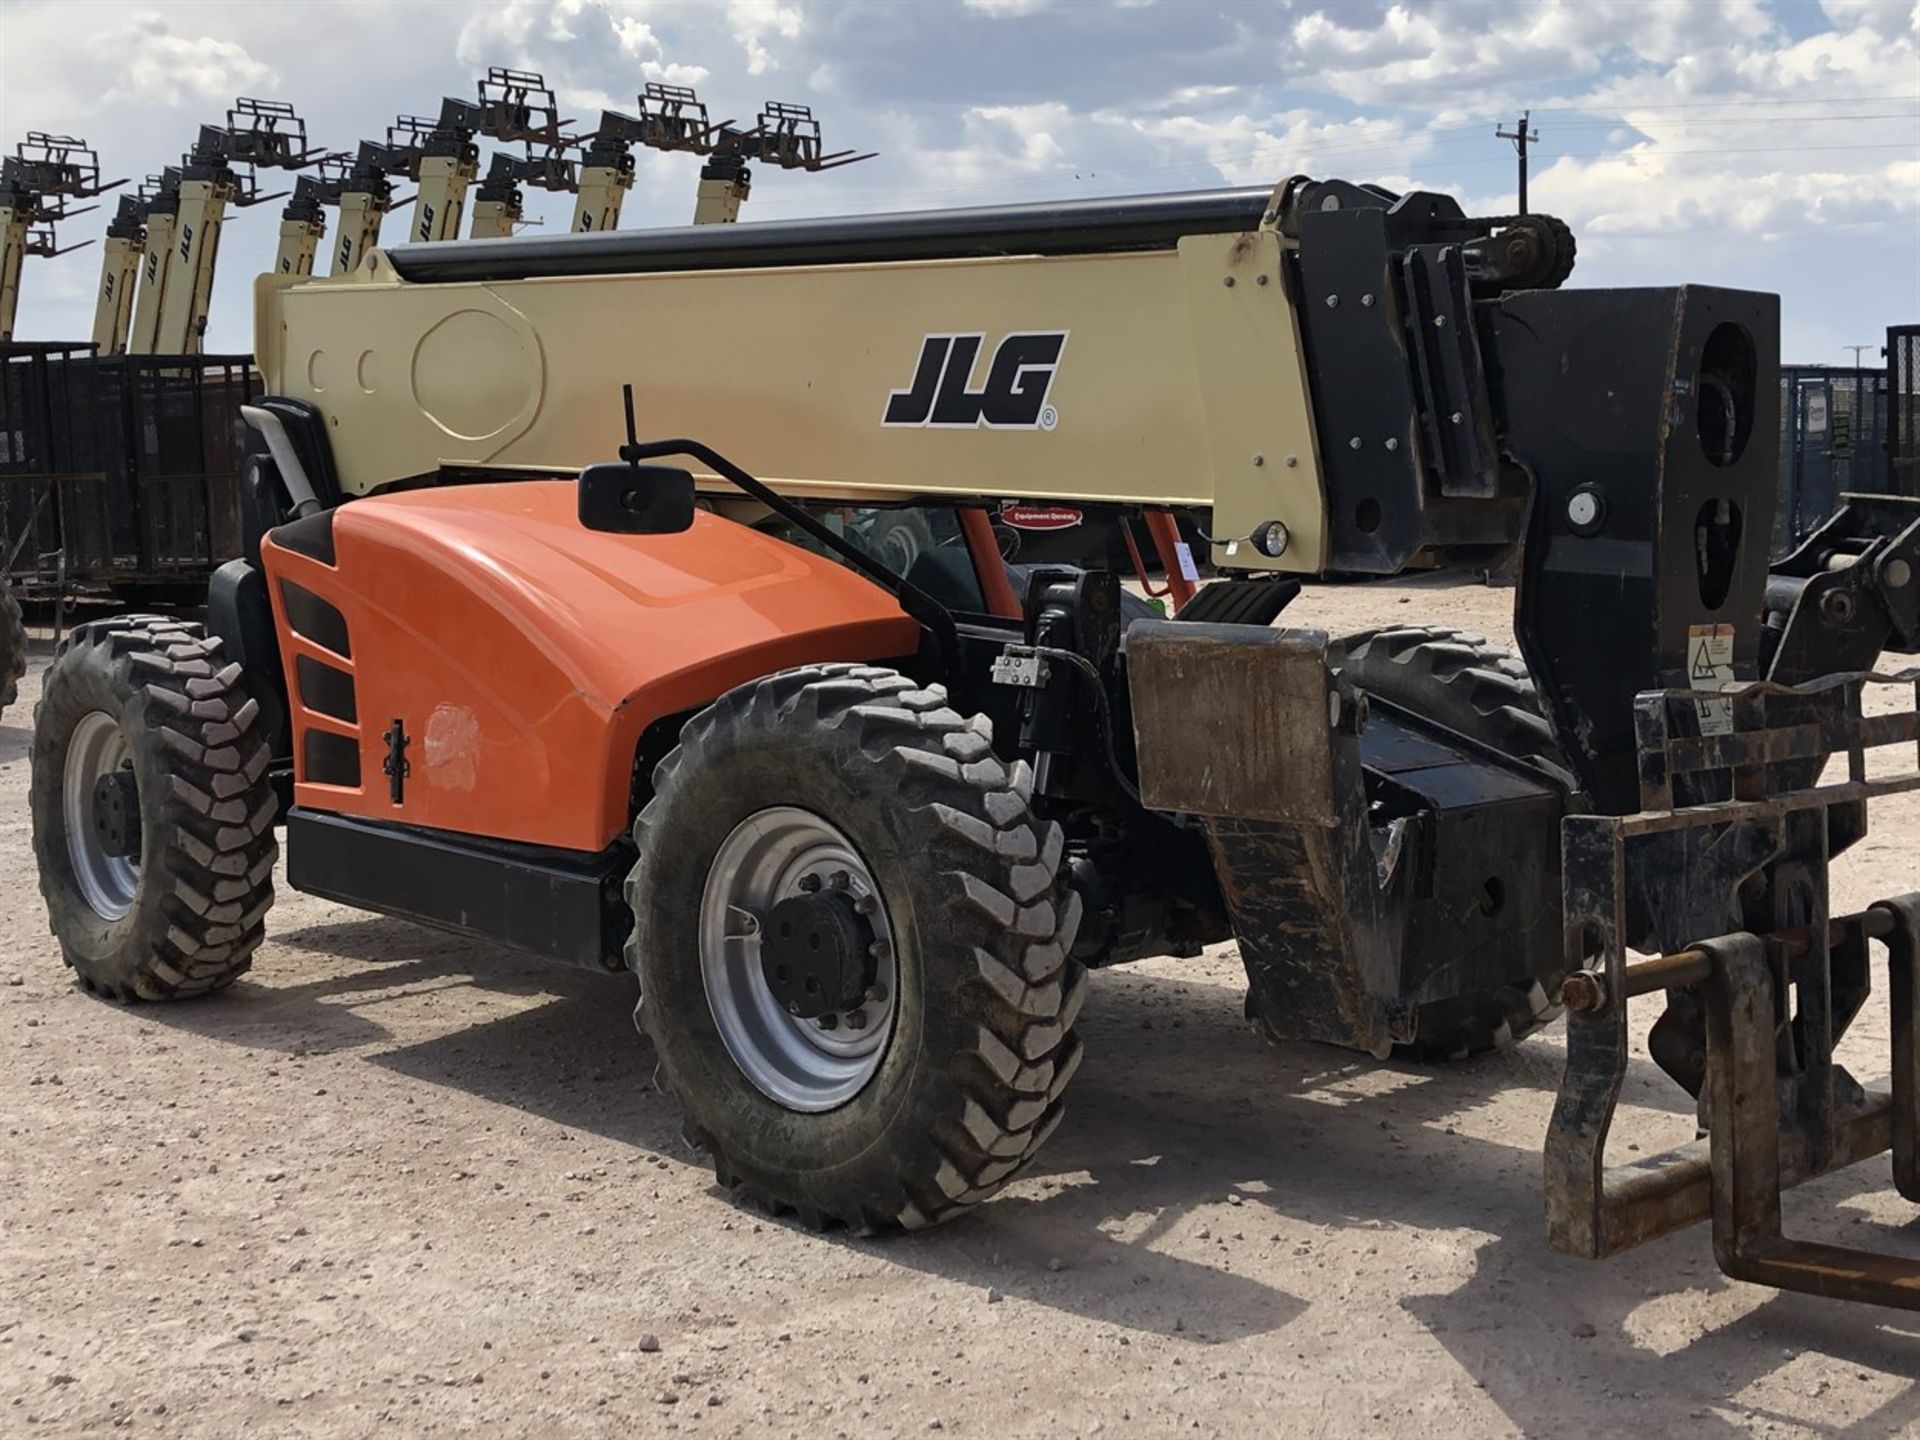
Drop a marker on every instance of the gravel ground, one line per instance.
(398, 1183)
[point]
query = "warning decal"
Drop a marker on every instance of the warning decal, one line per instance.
(1710, 667)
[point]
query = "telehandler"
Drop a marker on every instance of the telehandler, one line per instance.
(861, 832)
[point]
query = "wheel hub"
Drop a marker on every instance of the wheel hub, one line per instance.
(797, 959)
(100, 813)
(116, 814)
(816, 954)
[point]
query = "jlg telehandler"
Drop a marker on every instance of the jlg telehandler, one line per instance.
(860, 834)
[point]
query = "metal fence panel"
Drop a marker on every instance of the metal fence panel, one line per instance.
(120, 470)
(1833, 438)
(1903, 398)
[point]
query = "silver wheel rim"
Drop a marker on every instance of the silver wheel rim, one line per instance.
(97, 748)
(805, 1065)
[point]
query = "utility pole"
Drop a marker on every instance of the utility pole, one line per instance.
(1856, 352)
(1521, 137)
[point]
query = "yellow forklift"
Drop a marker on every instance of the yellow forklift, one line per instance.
(39, 184)
(169, 234)
(674, 118)
(518, 107)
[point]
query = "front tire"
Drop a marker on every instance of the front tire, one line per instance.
(852, 779)
(152, 810)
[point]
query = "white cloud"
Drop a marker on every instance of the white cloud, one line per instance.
(1249, 151)
(157, 67)
(636, 37)
(1425, 53)
(755, 22)
(1006, 9)
(1883, 17)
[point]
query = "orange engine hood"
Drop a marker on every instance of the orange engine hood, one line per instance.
(524, 655)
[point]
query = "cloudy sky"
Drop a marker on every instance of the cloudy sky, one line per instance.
(1772, 144)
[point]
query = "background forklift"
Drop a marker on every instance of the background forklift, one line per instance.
(39, 185)
(122, 476)
(861, 831)
(111, 481)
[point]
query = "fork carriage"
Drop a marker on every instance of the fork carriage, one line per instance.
(1724, 875)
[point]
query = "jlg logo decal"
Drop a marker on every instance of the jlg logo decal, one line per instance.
(1014, 396)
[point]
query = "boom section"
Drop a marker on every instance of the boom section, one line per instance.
(1153, 351)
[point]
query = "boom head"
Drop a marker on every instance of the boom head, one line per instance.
(518, 106)
(42, 178)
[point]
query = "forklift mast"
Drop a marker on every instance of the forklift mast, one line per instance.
(498, 207)
(366, 194)
(162, 204)
(518, 106)
(671, 118)
(786, 136)
(187, 211)
(440, 157)
(674, 118)
(303, 224)
(120, 257)
(38, 184)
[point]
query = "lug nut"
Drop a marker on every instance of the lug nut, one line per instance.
(865, 905)
(857, 1020)
(809, 884)
(829, 1022)
(880, 950)
(840, 880)
(876, 994)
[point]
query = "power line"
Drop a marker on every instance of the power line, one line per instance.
(1393, 147)
(1722, 104)
(1740, 120)
(1394, 151)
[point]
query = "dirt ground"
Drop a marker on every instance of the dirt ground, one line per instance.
(403, 1184)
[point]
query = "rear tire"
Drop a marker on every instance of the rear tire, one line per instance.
(13, 648)
(1458, 680)
(949, 859)
(174, 902)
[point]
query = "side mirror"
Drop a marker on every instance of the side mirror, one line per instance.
(636, 499)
